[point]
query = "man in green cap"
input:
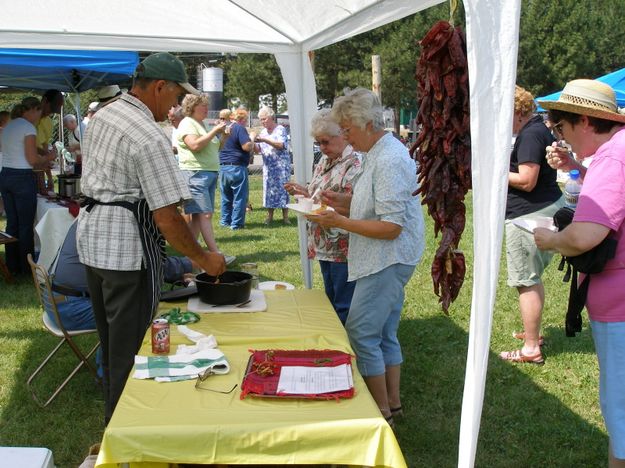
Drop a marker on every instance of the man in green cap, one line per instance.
(133, 188)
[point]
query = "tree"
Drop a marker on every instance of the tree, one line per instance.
(555, 48)
(399, 52)
(253, 75)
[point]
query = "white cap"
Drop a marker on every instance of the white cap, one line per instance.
(109, 92)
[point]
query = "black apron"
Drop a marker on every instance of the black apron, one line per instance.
(152, 242)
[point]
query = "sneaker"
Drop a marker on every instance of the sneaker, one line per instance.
(229, 259)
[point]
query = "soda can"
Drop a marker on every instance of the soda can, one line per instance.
(252, 269)
(160, 336)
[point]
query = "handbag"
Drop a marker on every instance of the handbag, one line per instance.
(590, 262)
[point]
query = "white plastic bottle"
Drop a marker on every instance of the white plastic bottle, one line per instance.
(572, 187)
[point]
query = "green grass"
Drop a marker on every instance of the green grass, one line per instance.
(532, 416)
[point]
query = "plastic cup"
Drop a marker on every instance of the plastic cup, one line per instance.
(306, 204)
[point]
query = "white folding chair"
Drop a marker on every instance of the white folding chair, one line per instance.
(47, 300)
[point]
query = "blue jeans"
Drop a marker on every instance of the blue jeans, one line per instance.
(234, 187)
(19, 192)
(338, 289)
(374, 316)
(609, 338)
(76, 313)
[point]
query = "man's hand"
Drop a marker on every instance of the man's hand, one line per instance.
(213, 263)
(176, 231)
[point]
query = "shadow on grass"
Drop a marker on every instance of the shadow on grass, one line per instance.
(522, 425)
(236, 238)
(73, 421)
(556, 341)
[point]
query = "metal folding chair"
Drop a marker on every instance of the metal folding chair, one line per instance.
(47, 300)
(4, 271)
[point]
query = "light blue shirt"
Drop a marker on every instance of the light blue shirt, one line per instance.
(383, 192)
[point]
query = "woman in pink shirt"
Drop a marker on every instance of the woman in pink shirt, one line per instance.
(587, 117)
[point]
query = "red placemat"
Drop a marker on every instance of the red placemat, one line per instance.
(263, 371)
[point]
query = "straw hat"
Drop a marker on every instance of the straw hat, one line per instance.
(587, 97)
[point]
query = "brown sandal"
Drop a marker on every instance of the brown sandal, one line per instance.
(518, 356)
(521, 336)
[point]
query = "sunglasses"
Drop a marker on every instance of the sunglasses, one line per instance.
(557, 128)
(205, 375)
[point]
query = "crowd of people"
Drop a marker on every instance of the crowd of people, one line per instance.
(139, 186)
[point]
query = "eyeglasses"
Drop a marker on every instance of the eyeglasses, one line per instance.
(205, 375)
(323, 142)
(557, 128)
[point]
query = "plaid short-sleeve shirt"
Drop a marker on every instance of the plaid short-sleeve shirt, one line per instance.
(126, 157)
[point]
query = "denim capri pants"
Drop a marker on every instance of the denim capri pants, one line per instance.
(202, 185)
(609, 340)
(373, 319)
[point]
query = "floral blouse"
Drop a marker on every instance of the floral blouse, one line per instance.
(336, 175)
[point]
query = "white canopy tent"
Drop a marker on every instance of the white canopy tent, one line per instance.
(290, 29)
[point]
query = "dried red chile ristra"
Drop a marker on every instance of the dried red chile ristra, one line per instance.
(443, 150)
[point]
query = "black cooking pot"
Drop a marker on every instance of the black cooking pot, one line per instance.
(234, 287)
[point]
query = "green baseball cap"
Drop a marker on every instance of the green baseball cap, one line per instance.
(165, 66)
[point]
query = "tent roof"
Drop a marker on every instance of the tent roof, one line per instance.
(288, 29)
(196, 25)
(615, 79)
(65, 70)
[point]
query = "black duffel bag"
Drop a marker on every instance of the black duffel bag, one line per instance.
(590, 262)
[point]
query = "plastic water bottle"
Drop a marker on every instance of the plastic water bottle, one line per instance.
(572, 187)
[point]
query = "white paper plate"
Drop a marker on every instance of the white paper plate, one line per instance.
(298, 209)
(271, 285)
(529, 225)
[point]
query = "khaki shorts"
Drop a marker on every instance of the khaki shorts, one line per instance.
(525, 261)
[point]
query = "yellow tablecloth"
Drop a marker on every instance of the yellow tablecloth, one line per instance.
(161, 423)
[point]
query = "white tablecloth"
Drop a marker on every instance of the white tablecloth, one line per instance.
(52, 222)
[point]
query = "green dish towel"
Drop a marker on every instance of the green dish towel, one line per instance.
(180, 366)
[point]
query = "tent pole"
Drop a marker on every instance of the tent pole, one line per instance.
(302, 100)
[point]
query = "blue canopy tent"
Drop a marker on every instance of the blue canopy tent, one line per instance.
(66, 70)
(615, 79)
(69, 71)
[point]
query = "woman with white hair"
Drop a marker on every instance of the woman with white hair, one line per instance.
(335, 171)
(272, 143)
(386, 242)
